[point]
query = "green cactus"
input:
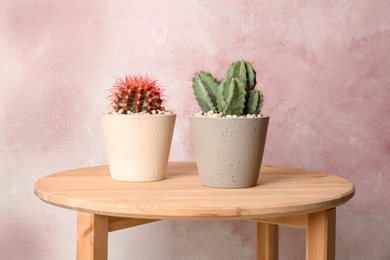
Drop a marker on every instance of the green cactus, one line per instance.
(255, 102)
(234, 95)
(205, 90)
(231, 96)
(244, 71)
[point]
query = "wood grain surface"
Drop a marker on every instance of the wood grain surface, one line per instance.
(280, 192)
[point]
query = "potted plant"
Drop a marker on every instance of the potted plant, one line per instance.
(229, 134)
(137, 130)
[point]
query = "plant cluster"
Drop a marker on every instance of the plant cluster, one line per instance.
(136, 94)
(233, 95)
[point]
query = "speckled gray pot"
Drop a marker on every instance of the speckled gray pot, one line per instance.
(229, 151)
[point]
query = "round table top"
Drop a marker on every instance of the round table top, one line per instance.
(280, 192)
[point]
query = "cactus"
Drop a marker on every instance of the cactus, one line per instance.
(136, 94)
(244, 71)
(205, 90)
(255, 102)
(234, 95)
(231, 96)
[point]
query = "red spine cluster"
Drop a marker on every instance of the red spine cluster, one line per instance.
(136, 94)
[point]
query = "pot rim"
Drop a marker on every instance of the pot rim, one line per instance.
(137, 115)
(230, 118)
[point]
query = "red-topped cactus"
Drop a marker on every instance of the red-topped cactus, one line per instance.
(136, 94)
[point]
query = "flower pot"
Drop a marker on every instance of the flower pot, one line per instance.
(137, 146)
(229, 151)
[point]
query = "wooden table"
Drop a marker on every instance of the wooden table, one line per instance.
(291, 197)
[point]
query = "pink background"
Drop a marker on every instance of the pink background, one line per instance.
(324, 67)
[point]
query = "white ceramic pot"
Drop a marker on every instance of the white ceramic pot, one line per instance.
(137, 146)
(229, 151)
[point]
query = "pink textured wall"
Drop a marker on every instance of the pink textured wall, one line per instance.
(323, 65)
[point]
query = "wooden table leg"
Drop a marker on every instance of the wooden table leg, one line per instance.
(267, 241)
(92, 236)
(320, 235)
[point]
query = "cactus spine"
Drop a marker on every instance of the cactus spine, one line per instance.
(135, 94)
(234, 95)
